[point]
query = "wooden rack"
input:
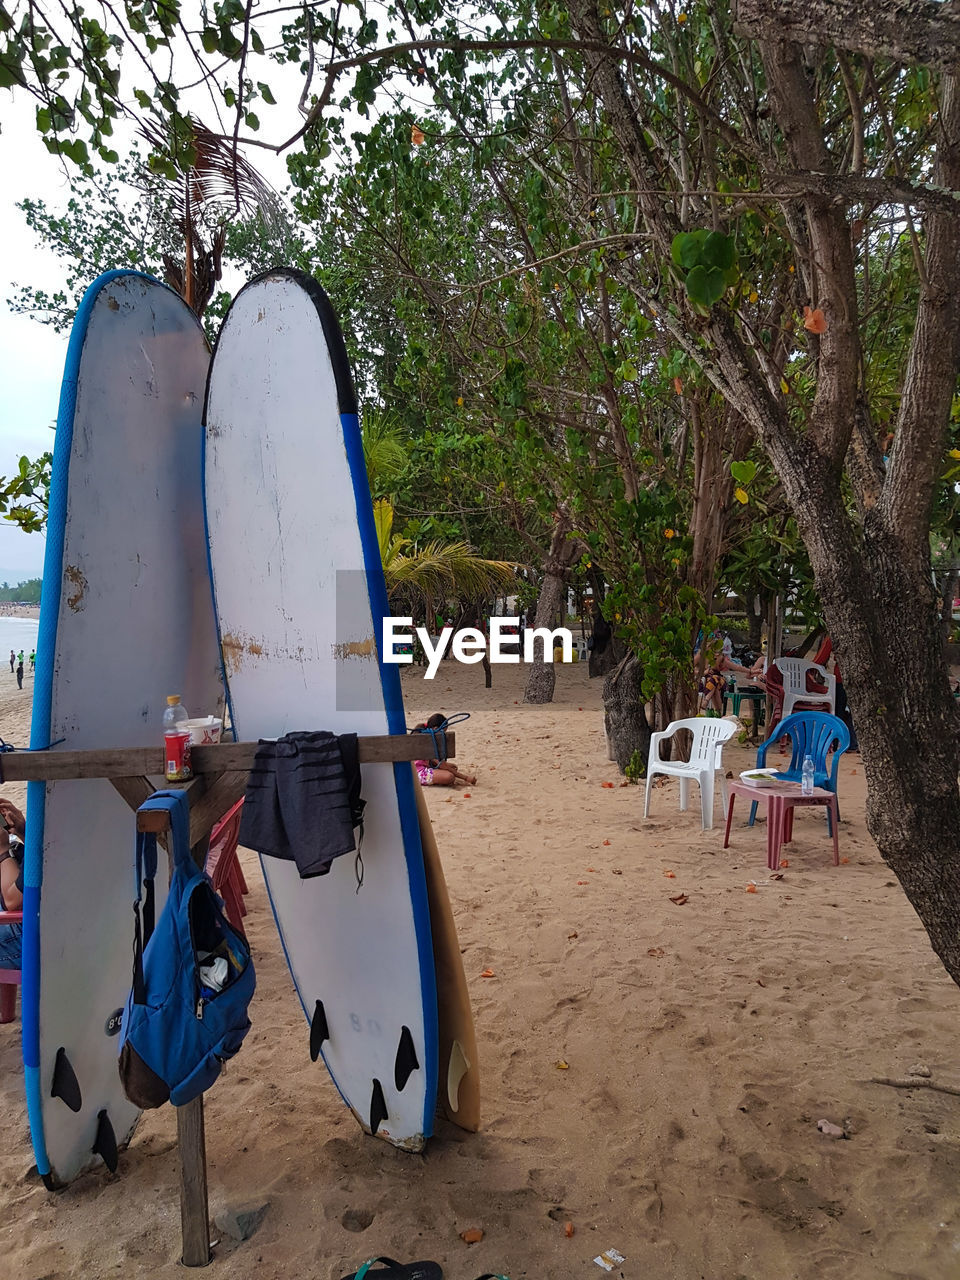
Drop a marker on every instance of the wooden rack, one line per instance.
(220, 779)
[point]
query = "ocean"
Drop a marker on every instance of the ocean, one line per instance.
(17, 634)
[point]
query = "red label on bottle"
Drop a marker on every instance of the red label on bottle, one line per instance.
(177, 753)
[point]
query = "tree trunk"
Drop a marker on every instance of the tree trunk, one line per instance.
(623, 713)
(754, 623)
(607, 650)
(718, 433)
(542, 677)
(487, 670)
(907, 724)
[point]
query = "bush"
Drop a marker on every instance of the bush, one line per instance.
(636, 768)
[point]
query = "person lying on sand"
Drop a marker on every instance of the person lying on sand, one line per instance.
(440, 773)
(11, 882)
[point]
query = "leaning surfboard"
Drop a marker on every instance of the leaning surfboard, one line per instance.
(299, 597)
(126, 618)
(459, 1085)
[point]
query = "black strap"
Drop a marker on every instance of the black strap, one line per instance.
(176, 804)
(143, 920)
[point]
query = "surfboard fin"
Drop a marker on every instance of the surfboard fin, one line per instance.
(318, 1031)
(378, 1107)
(65, 1085)
(406, 1062)
(457, 1067)
(106, 1143)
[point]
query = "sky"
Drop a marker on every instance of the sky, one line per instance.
(31, 354)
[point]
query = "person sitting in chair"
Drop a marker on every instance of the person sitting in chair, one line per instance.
(717, 663)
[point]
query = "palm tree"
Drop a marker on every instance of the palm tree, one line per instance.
(208, 183)
(429, 574)
(384, 451)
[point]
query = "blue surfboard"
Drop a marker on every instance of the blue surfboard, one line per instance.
(126, 618)
(300, 596)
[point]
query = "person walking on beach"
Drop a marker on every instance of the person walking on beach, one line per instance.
(20, 673)
(13, 661)
(33, 659)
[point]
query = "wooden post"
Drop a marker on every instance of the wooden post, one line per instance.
(192, 1147)
(194, 1219)
(191, 1142)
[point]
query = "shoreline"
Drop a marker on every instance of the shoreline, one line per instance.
(10, 610)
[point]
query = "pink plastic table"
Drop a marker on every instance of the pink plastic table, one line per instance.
(781, 799)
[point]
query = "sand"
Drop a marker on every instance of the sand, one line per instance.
(703, 1042)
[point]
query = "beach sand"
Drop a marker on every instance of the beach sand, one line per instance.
(702, 1044)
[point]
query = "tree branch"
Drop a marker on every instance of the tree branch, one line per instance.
(932, 368)
(920, 31)
(829, 266)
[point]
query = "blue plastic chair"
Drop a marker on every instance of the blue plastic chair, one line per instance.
(812, 733)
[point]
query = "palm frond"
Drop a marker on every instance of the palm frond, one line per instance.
(436, 570)
(383, 448)
(217, 180)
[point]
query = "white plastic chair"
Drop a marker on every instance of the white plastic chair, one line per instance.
(794, 672)
(704, 765)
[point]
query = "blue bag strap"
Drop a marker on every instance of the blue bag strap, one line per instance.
(178, 807)
(439, 734)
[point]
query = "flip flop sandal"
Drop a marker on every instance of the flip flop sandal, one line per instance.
(392, 1270)
(489, 1275)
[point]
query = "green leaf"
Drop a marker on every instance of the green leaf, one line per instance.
(718, 250)
(266, 93)
(210, 39)
(744, 472)
(75, 151)
(685, 249)
(706, 285)
(9, 70)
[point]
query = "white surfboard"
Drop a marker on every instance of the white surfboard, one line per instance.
(126, 618)
(299, 595)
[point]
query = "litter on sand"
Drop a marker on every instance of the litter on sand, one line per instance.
(831, 1130)
(609, 1259)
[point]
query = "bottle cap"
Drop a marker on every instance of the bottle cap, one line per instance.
(172, 699)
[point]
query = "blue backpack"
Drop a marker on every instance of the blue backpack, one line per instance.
(192, 976)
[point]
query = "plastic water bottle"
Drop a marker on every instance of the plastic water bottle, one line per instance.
(176, 740)
(806, 784)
